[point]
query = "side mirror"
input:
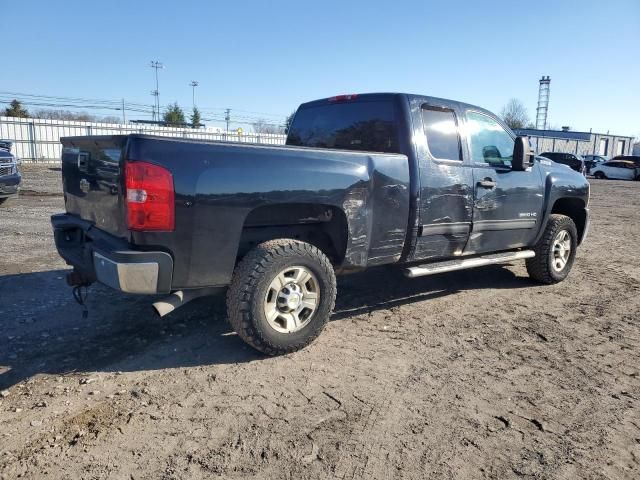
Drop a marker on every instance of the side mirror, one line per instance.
(522, 155)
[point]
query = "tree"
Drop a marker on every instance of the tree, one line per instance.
(174, 116)
(514, 114)
(195, 118)
(261, 126)
(15, 109)
(74, 116)
(287, 122)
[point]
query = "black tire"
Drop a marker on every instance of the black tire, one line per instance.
(250, 285)
(599, 175)
(541, 266)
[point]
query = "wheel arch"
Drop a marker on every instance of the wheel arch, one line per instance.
(575, 209)
(323, 225)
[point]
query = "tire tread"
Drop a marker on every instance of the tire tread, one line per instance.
(538, 267)
(246, 276)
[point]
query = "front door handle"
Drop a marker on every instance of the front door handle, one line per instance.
(487, 183)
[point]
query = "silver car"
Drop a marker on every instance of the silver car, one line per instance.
(10, 177)
(617, 169)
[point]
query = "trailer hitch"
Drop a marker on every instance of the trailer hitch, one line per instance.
(80, 290)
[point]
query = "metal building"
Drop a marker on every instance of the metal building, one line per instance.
(584, 143)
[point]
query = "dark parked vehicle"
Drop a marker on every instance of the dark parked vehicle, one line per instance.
(591, 161)
(9, 173)
(575, 162)
(431, 185)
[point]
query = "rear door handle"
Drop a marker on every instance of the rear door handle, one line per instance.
(487, 183)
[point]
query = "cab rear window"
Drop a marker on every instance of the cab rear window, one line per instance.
(364, 126)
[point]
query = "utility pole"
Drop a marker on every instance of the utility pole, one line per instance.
(156, 65)
(227, 117)
(193, 84)
(124, 115)
(155, 104)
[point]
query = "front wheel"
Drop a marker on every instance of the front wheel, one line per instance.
(555, 251)
(599, 175)
(281, 296)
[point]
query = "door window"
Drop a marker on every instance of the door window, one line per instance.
(441, 129)
(489, 141)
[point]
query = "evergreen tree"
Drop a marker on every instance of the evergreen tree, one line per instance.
(15, 109)
(195, 118)
(174, 116)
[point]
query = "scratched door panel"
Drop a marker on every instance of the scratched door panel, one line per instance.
(446, 192)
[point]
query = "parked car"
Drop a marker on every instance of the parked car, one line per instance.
(629, 158)
(10, 177)
(591, 161)
(617, 169)
(364, 180)
(573, 161)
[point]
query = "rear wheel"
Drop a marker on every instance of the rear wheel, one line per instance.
(599, 175)
(281, 296)
(555, 251)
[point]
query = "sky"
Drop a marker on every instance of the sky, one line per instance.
(263, 58)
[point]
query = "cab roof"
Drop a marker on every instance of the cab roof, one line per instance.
(355, 97)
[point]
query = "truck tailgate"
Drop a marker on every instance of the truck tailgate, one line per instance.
(93, 183)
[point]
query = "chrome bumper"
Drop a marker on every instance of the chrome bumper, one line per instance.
(139, 277)
(98, 256)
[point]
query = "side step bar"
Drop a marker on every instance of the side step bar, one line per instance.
(464, 263)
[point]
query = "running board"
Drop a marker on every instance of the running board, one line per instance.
(464, 263)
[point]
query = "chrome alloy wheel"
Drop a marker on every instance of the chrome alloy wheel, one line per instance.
(561, 250)
(291, 300)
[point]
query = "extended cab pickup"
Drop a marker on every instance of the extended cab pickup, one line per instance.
(429, 184)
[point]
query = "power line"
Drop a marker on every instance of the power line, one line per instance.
(214, 114)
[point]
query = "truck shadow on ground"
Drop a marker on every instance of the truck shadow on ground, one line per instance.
(44, 332)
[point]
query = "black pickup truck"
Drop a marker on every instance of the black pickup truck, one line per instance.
(431, 185)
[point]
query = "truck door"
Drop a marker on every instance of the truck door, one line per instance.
(507, 204)
(446, 183)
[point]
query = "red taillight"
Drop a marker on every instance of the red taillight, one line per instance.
(150, 197)
(343, 98)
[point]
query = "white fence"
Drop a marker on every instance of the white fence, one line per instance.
(38, 140)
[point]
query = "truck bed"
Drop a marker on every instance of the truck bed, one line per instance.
(222, 188)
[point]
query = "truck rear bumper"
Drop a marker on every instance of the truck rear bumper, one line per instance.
(98, 256)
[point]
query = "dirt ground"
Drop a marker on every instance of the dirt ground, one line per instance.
(466, 375)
